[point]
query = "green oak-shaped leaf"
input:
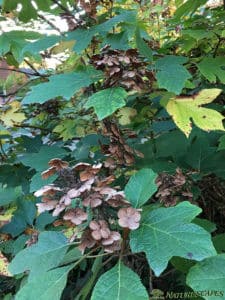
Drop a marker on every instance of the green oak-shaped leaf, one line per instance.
(46, 254)
(141, 187)
(171, 74)
(48, 286)
(168, 232)
(119, 283)
(64, 85)
(209, 275)
(187, 108)
(39, 160)
(107, 101)
(213, 68)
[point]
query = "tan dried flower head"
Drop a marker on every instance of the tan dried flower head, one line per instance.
(75, 215)
(86, 170)
(93, 200)
(100, 230)
(129, 217)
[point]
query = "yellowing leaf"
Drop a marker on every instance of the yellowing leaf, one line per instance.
(11, 116)
(125, 115)
(4, 265)
(69, 128)
(187, 109)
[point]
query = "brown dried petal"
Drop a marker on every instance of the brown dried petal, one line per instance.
(90, 172)
(86, 241)
(105, 232)
(106, 181)
(93, 200)
(46, 206)
(66, 200)
(58, 164)
(112, 248)
(47, 190)
(59, 208)
(94, 225)
(96, 235)
(73, 193)
(49, 172)
(81, 166)
(114, 236)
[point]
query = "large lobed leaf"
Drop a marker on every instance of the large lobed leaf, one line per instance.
(64, 85)
(168, 232)
(209, 275)
(171, 74)
(46, 254)
(184, 109)
(48, 286)
(119, 283)
(213, 68)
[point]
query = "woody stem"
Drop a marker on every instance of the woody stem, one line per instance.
(126, 232)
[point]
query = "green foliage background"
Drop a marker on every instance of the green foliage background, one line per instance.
(156, 71)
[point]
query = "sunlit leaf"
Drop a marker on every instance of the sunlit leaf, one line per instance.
(187, 109)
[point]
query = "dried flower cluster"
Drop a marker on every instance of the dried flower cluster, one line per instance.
(118, 151)
(122, 68)
(172, 187)
(88, 192)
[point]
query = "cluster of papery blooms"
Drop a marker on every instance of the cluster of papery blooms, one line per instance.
(172, 187)
(123, 68)
(118, 151)
(85, 200)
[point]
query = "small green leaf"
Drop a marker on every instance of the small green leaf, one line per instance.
(168, 232)
(221, 143)
(46, 254)
(171, 74)
(142, 46)
(141, 187)
(107, 101)
(189, 7)
(219, 242)
(48, 286)
(209, 275)
(213, 68)
(116, 285)
(187, 108)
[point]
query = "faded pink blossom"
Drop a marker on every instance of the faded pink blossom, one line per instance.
(129, 217)
(75, 215)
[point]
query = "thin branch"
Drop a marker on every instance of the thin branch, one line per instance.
(32, 127)
(19, 71)
(220, 40)
(65, 9)
(15, 92)
(50, 23)
(37, 73)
